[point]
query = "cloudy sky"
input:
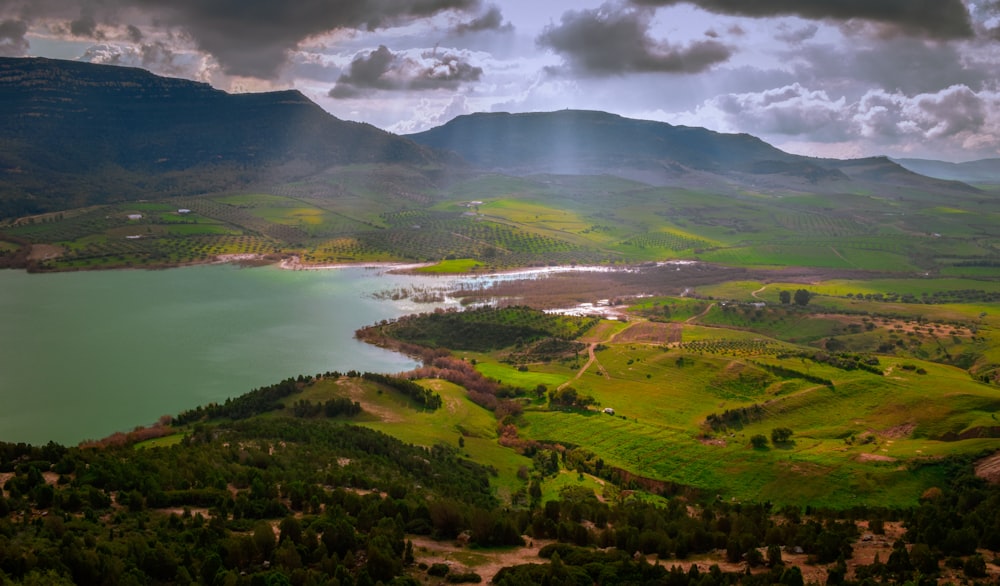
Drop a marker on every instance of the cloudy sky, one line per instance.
(841, 78)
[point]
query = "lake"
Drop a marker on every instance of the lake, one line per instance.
(85, 354)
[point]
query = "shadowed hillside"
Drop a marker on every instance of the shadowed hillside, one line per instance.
(588, 143)
(73, 134)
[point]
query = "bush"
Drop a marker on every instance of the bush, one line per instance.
(780, 435)
(438, 570)
(975, 567)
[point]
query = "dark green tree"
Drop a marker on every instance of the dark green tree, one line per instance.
(780, 435)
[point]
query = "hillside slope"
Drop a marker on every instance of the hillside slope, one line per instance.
(579, 142)
(986, 171)
(73, 134)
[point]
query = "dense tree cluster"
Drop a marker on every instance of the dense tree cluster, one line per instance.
(484, 329)
(247, 405)
(331, 408)
(735, 418)
(425, 397)
(115, 514)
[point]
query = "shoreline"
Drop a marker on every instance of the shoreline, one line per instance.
(294, 263)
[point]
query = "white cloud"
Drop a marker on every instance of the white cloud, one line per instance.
(956, 121)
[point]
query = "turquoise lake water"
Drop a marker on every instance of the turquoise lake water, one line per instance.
(83, 355)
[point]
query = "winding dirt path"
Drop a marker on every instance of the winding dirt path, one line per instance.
(704, 312)
(754, 293)
(592, 359)
(841, 257)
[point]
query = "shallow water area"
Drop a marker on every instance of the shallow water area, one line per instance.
(86, 354)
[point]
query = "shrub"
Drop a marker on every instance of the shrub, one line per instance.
(438, 570)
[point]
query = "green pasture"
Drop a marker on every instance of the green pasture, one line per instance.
(553, 485)
(529, 379)
(865, 440)
(735, 290)
(680, 308)
(161, 442)
(819, 468)
(916, 286)
(457, 266)
(991, 273)
(534, 213)
(808, 254)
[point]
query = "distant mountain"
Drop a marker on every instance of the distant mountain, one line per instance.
(73, 134)
(984, 171)
(588, 142)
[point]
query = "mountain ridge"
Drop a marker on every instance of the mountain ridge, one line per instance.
(567, 141)
(74, 134)
(92, 133)
(985, 171)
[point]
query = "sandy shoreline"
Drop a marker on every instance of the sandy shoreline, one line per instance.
(294, 263)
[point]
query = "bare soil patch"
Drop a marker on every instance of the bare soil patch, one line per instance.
(899, 431)
(356, 393)
(45, 251)
(486, 563)
(646, 332)
(989, 468)
(599, 333)
(874, 458)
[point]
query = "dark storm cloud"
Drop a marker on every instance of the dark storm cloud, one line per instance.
(611, 40)
(382, 69)
(903, 64)
(84, 26)
(247, 37)
(941, 19)
(12, 41)
(134, 34)
(491, 20)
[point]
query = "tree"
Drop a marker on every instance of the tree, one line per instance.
(785, 297)
(774, 555)
(758, 441)
(780, 435)
(802, 297)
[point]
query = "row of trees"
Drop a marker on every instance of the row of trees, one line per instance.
(801, 297)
